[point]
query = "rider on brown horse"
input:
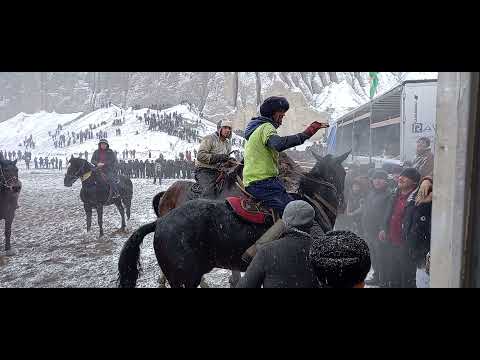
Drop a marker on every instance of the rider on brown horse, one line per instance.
(214, 150)
(106, 160)
(260, 173)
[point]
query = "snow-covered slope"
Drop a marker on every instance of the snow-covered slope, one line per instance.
(14, 131)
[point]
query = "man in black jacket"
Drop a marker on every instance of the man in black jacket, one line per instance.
(284, 263)
(375, 208)
(416, 228)
(106, 161)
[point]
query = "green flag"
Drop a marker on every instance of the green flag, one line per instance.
(373, 83)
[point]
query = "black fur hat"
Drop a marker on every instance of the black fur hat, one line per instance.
(274, 104)
(340, 259)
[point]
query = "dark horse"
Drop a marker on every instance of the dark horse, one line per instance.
(96, 193)
(203, 234)
(183, 190)
(10, 187)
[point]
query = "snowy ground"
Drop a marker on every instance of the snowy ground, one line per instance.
(53, 249)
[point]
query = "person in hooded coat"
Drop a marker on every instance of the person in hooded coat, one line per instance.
(284, 263)
(106, 160)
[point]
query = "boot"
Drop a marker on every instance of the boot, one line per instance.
(273, 233)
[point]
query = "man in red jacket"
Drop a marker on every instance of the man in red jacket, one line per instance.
(402, 269)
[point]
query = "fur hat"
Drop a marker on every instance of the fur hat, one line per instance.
(298, 213)
(226, 123)
(412, 174)
(340, 259)
(274, 104)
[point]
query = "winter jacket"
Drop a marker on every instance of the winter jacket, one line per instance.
(389, 212)
(424, 163)
(108, 158)
(262, 149)
(416, 228)
(281, 264)
(376, 205)
(212, 145)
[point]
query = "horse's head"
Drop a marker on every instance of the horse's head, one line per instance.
(9, 176)
(76, 168)
(331, 170)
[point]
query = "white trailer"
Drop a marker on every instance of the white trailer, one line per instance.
(386, 129)
(418, 115)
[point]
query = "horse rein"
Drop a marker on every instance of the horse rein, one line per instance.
(7, 183)
(319, 202)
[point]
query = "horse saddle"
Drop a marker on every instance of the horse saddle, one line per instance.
(250, 210)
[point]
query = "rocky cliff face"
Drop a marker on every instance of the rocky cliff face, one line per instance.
(233, 95)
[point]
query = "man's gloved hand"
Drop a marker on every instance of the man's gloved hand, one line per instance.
(314, 127)
(220, 158)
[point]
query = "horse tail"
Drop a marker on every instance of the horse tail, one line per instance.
(156, 202)
(129, 261)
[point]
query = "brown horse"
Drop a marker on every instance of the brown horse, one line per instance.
(10, 187)
(181, 191)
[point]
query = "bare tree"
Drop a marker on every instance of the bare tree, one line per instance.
(259, 88)
(235, 89)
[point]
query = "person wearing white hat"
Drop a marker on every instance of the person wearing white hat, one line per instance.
(214, 150)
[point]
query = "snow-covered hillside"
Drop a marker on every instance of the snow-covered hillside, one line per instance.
(14, 131)
(337, 99)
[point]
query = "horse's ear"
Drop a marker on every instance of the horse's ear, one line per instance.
(316, 156)
(342, 158)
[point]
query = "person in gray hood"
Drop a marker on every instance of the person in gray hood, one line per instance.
(284, 263)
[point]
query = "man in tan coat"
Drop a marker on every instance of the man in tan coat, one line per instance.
(424, 160)
(214, 150)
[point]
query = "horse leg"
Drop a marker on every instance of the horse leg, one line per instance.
(118, 204)
(234, 278)
(100, 218)
(88, 211)
(128, 205)
(8, 233)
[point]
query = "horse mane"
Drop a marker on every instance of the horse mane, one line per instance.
(290, 172)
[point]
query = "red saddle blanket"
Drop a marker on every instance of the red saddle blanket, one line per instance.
(248, 209)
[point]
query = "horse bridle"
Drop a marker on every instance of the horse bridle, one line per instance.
(77, 175)
(318, 202)
(7, 183)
